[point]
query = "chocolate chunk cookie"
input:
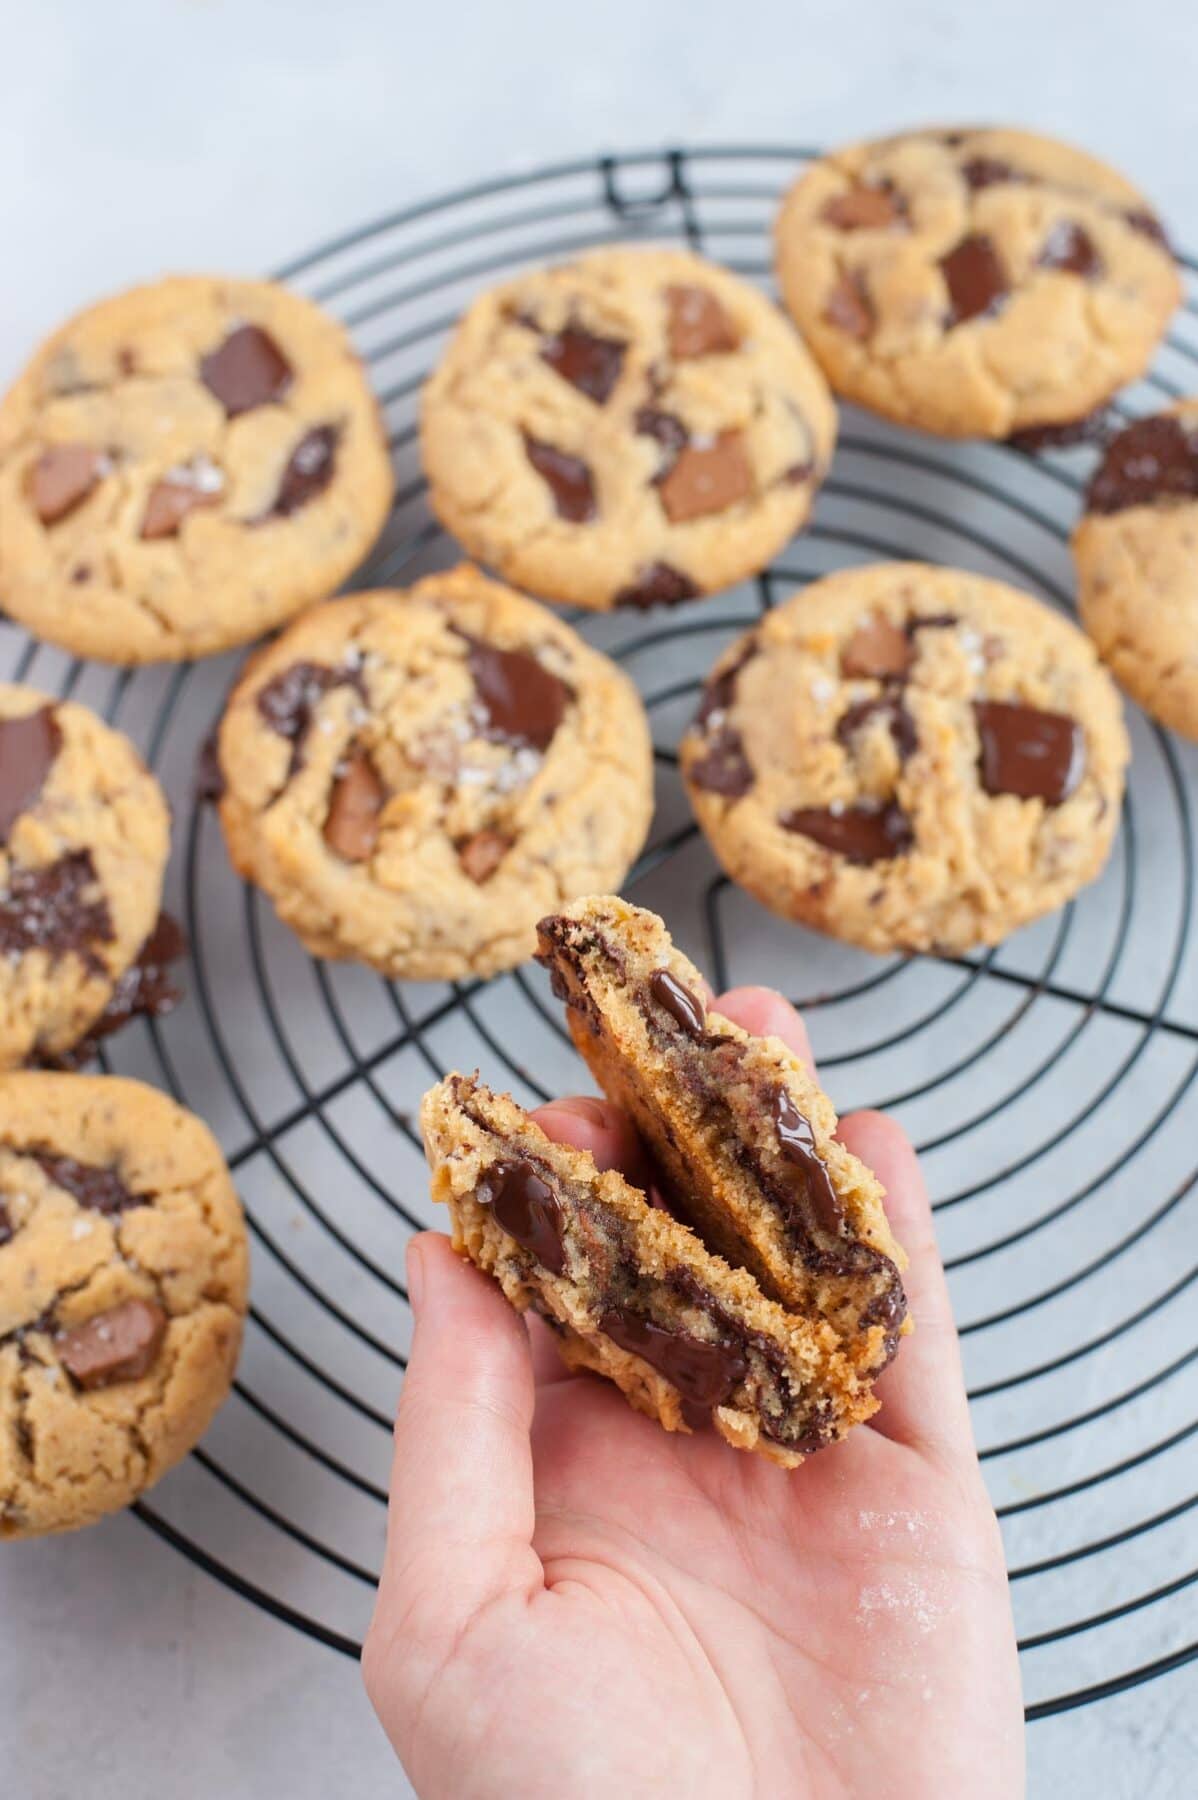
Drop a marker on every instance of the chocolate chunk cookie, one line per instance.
(629, 1291)
(123, 1279)
(1136, 548)
(84, 838)
(414, 777)
(910, 758)
(631, 429)
(974, 283)
(183, 467)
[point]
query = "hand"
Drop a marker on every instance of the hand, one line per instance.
(575, 1602)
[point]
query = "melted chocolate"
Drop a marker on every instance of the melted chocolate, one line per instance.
(1024, 751)
(666, 429)
(527, 1209)
(720, 691)
(976, 281)
(521, 701)
(889, 707)
(289, 699)
(147, 988)
(1092, 428)
(58, 908)
(98, 1189)
(723, 768)
(1153, 460)
(704, 1373)
(796, 1140)
(686, 1009)
(247, 370)
(28, 747)
(657, 584)
(308, 472)
(988, 171)
(589, 363)
(567, 477)
(1070, 247)
(860, 834)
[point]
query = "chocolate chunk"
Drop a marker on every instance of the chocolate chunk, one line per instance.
(98, 1189)
(849, 307)
(796, 1140)
(28, 747)
(1149, 226)
(62, 479)
(724, 768)
(974, 276)
(57, 908)
(666, 429)
(195, 484)
(209, 776)
(147, 988)
(521, 701)
(877, 651)
(988, 171)
(6, 1225)
(720, 690)
(591, 364)
(933, 622)
(288, 700)
(479, 856)
(351, 829)
(888, 707)
(1153, 460)
(1069, 246)
(707, 478)
(797, 474)
(1036, 755)
(657, 584)
(696, 324)
(686, 1009)
(121, 1344)
(247, 370)
(567, 477)
(1092, 428)
(705, 1374)
(861, 834)
(527, 1209)
(866, 208)
(308, 472)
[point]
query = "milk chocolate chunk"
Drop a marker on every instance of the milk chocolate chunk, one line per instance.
(351, 829)
(246, 371)
(888, 707)
(121, 1344)
(1153, 460)
(1069, 246)
(796, 1140)
(861, 834)
(704, 1373)
(866, 208)
(877, 651)
(657, 584)
(696, 323)
(1024, 751)
(192, 485)
(28, 747)
(521, 701)
(686, 1009)
(308, 472)
(975, 278)
(724, 767)
(849, 308)
(98, 1189)
(707, 478)
(528, 1210)
(479, 856)
(567, 477)
(58, 908)
(590, 363)
(62, 478)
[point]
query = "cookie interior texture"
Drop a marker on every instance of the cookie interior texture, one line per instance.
(629, 1291)
(742, 1135)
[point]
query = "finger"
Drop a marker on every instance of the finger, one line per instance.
(923, 1391)
(547, 1365)
(461, 1515)
(766, 1014)
(600, 1128)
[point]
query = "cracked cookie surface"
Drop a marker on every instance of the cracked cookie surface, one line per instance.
(974, 282)
(414, 778)
(84, 839)
(123, 1282)
(183, 467)
(909, 758)
(1136, 549)
(633, 429)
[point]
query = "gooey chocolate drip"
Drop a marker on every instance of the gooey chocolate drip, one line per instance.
(686, 1009)
(705, 1374)
(58, 908)
(796, 1140)
(28, 748)
(528, 1210)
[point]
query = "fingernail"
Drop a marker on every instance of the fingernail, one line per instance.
(583, 1107)
(415, 1264)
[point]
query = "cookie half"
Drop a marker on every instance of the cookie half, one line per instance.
(84, 839)
(414, 777)
(909, 758)
(743, 1137)
(628, 1291)
(183, 467)
(1136, 549)
(974, 283)
(123, 1281)
(630, 429)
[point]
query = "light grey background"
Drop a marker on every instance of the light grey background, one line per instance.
(141, 137)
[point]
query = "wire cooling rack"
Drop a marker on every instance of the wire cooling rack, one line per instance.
(1049, 1084)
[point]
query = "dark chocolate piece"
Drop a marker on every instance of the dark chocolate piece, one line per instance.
(796, 1140)
(888, 706)
(666, 429)
(1025, 751)
(988, 171)
(289, 699)
(6, 1225)
(521, 701)
(657, 584)
(590, 363)
(527, 1209)
(704, 1373)
(246, 371)
(861, 834)
(177, 495)
(696, 323)
(147, 988)
(975, 278)
(58, 908)
(1092, 428)
(98, 1189)
(28, 747)
(1070, 247)
(1149, 226)
(308, 472)
(209, 778)
(686, 1009)
(567, 477)
(121, 1344)
(724, 767)
(1152, 460)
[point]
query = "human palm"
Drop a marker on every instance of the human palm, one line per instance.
(576, 1602)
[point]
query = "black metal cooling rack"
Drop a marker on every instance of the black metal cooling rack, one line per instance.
(1049, 1083)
